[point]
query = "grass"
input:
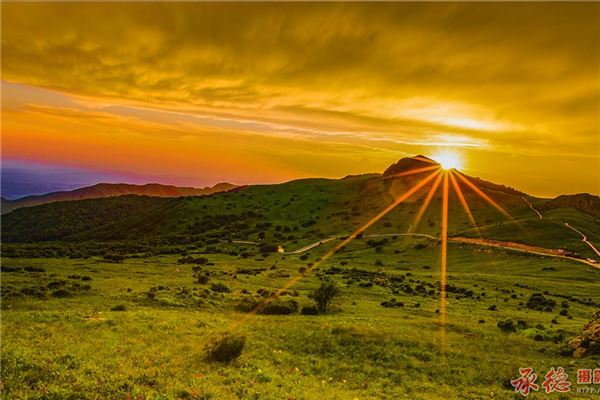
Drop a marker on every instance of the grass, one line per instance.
(118, 341)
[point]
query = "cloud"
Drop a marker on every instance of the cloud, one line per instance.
(509, 78)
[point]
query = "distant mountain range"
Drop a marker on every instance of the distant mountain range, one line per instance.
(102, 190)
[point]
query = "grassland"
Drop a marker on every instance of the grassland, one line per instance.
(121, 298)
(76, 347)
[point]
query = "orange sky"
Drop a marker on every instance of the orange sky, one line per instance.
(251, 93)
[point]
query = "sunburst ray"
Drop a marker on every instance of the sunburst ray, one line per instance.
(463, 201)
(331, 252)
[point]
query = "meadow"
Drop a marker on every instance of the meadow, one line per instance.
(141, 328)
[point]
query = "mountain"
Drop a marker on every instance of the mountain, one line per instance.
(298, 212)
(583, 202)
(102, 190)
(408, 164)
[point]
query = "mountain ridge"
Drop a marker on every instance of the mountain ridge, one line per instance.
(584, 202)
(102, 190)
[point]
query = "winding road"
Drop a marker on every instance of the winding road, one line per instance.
(583, 238)
(532, 208)
(374, 235)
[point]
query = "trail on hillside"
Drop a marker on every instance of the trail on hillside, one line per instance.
(374, 235)
(584, 238)
(523, 248)
(531, 206)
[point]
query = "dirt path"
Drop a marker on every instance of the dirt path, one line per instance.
(531, 206)
(583, 238)
(523, 248)
(374, 235)
(310, 246)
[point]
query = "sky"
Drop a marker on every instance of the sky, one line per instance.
(199, 93)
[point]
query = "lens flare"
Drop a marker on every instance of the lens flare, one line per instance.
(444, 262)
(463, 201)
(444, 176)
(237, 324)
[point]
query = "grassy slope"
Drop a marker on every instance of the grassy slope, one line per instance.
(77, 346)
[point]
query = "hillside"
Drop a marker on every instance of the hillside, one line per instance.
(297, 213)
(102, 190)
(583, 202)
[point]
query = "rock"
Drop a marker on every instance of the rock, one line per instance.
(588, 343)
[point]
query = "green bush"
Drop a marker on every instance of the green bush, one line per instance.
(539, 302)
(119, 307)
(227, 349)
(192, 260)
(220, 288)
(309, 310)
(248, 304)
(279, 307)
(61, 293)
(507, 326)
(324, 295)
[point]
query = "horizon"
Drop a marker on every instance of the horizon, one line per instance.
(139, 182)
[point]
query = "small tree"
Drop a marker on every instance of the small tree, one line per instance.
(323, 295)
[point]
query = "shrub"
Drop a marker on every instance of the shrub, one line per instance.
(61, 293)
(116, 258)
(279, 307)
(227, 349)
(34, 291)
(119, 307)
(392, 303)
(192, 260)
(34, 269)
(220, 288)
(248, 304)
(309, 310)
(10, 269)
(324, 295)
(56, 284)
(269, 248)
(507, 326)
(539, 302)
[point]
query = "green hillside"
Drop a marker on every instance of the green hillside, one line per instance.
(297, 213)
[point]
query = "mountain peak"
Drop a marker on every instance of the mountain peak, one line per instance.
(409, 163)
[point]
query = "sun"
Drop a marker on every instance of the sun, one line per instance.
(449, 160)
